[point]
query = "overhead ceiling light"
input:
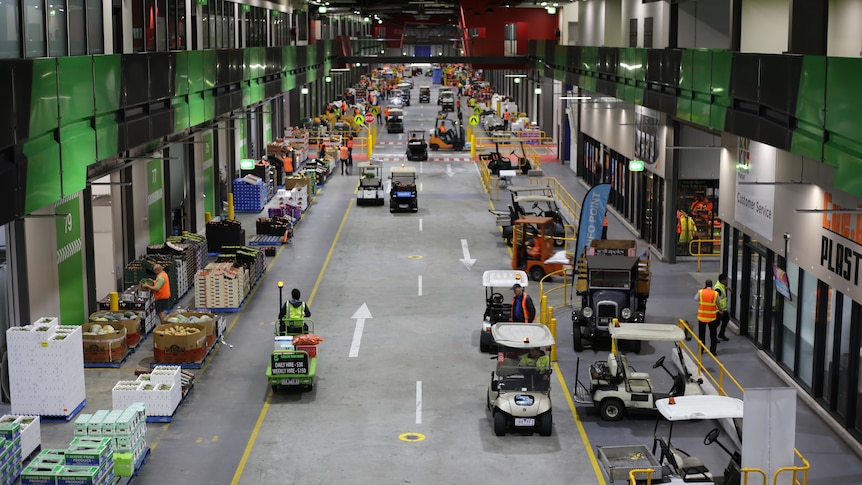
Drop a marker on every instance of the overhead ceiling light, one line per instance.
(551, 10)
(321, 9)
(516, 75)
(538, 90)
(517, 80)
(304, 90)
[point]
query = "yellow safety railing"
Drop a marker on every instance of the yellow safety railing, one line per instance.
(698, 252)
(633, 480)
(546, 313)
(718, 382)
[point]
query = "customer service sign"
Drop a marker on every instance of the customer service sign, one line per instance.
(755, 189)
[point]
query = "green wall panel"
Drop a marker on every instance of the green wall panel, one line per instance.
(848, 167)
(209, 179)
(686, 70)
(809, 135)
(683, 106)
(78, 148)
(209, 105)
(43, 101)
(75, 81)
(180, 107)
(107, 133)
(181, 77)
(197, 111)
(590, 59)
(196, 71)
(208, 68)
(701, 109)
(701, 71)
(106, 70)
(43, 172)
(720, 85)
(155, 201)
(843, 102)
(246, 93)
(70, 262)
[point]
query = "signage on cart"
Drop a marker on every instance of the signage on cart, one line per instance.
(474, 120)
(359, 119)
(369, 118)
(288, 363)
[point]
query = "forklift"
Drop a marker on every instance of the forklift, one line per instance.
(533, 247)
(447, 135)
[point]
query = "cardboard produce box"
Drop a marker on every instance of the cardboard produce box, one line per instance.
(209, 325)
(110, 347)
(130, 319)
(171, 348)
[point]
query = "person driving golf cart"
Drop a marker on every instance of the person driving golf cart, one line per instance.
(292, 314)
(538, 364)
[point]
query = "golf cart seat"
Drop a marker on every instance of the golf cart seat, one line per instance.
(637, 381)
(292, 327)
(613, 369)
(690, 468)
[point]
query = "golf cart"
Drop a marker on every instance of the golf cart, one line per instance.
(541, 205)
(686, 408)
(442, 92)
(497, 308)
(533, 247)
(417, 149)
(370, 191)
(616, 388)
(402, 195)
(613, 283)
(424, 94)
(495, 160)
(447, 101)
(395, 122)
(291, 363)
(519, 396)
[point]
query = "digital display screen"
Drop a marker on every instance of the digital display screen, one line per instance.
(403, 194)
(246, 164)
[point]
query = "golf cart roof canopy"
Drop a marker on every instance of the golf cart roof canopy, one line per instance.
(370, 164)
(504, 278)
(403, 170)
(650, 332)
(522, 335)
(604, 262)
(533, 198)
(700, 407)
(528, 188)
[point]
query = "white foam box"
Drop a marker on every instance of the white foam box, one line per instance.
(49, 321)
(31, 432)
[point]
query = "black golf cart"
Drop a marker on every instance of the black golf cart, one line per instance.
(417, 148)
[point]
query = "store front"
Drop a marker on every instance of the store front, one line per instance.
(794, 264)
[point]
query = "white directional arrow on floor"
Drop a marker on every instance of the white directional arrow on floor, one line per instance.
(361, 314)
(449, 171)
(468, 263)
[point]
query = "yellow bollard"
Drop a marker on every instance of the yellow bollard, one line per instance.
(473, 145)
(115, 301)
(553, 328)
(543, 308)
(208, 217)
(230, 206)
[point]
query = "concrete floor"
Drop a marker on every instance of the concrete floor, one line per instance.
(418, 369)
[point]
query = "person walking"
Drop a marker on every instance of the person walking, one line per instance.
(506, 117)
(161, 289)
(723, 315)
(350, 151)
(343, 155)
(605, 226)
(522, 306)
(707, 311)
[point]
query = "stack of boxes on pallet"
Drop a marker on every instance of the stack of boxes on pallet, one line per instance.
(10, 452)
(31, 431)
(46, 368)
(136, 300)
(224, 233)
(160, 391)
(249, 194)
(221, 285)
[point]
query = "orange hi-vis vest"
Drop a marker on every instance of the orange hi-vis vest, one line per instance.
(524, 311)
(350, 143)
(707, 308)
(164, 292)
(342, 153)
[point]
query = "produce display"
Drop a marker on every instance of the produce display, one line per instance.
(180, 318)
(97, 329)
(176, 330)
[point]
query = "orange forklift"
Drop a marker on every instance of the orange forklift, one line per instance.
(447, 135)
(533, 246)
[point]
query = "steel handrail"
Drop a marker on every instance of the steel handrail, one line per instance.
(699, 254)
(633, 479)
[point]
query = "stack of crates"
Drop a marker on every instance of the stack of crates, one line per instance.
(46, 368)
(10, 452)
(87, 460)
(133, 299)
(31, 431)
(160, 391)
(249, 197)
(123, 430)
(221, 285)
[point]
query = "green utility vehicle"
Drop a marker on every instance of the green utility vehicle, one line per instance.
(292, 364)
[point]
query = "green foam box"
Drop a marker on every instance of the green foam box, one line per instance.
(10, 430)
(81, 424)
(124, 464)
(78, 475)
(40, 475)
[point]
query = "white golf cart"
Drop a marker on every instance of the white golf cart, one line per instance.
(497, 307)
(683, 467)
(519, 396)
(370, 190)
(615, 386)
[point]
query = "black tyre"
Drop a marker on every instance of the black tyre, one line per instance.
(484, 347)
(577, 338)
(537, 273)
(434, 147)
(545, 424)
(275, 387)
(612, 409)
(501, 423)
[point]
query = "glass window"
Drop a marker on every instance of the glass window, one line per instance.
(788, 334)
(810, 299)
(57, 35)
(176, 24)
(230, 19)
(94, 27)
(77, 28)
(150, 25)
(161, 25)
(34, 25)
(832, 319)
(841, 369)
(10, 42)
(137, 25)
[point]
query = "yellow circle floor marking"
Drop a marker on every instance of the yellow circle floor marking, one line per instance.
(414, 256)
(411, 437)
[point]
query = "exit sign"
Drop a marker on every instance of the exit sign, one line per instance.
(636, 165)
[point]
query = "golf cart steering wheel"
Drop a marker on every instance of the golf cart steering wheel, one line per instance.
(496, 298)
(711, 436)
(659, 362)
